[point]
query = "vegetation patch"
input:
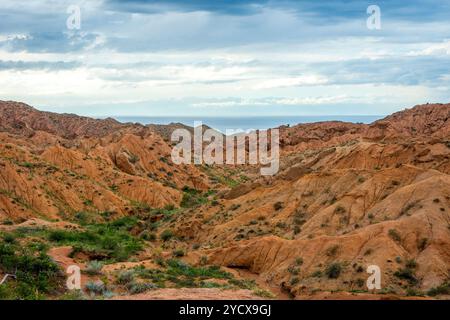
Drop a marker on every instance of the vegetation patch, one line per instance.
(443, 289)
(333, 271)
(193, 198)
(106, 241)
(36, 275)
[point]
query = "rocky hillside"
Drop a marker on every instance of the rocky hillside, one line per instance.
(347, 196)
(55, 165)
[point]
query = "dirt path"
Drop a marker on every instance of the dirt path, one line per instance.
(61, 256)
(192, 294)
(276, 290)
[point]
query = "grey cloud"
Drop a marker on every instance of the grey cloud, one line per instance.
(38, 65)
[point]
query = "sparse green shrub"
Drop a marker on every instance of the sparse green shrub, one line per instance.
(333, 270)
(125, 277)
(406, 274)
(9, 238)
(393, 233)
(411, 264)
(166, 235)
(178, 253)
(360, 282)
(411, 292)
(294, 281)
(7, 222)
(96, 287)
(147, 236)
(408, 207)
(294, 270)
(177, 268)
(94, 267)
(339, 210)
(88, 202)
(281, 225)
(316, 274)
(422, 244)
(278, 205)
(192, 198)
(73, 295)
(133, 158)
(332, 251)
(58, 235)
(235, 206)
(140, 287)
(443, 289)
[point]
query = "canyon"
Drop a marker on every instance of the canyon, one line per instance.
(107, 197)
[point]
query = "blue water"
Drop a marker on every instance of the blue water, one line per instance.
(247, 123)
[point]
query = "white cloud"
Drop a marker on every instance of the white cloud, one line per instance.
(442, 48)
(306, 80)
(271, 101)
(312, 100)
(12, 37)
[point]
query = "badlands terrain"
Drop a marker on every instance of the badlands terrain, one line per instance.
(106, 197)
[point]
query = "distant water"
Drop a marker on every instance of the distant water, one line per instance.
(247, 123)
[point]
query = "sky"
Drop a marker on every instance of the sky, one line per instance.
(224, 57)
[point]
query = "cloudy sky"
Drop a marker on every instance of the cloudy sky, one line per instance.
(224, 57)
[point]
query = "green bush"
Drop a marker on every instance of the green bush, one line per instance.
(394, 235)
(166, 235)
(125, 277)
(316, 274)
(192, 198)
(406, 274)
(177, 267)
(133, 158)
(294, 270)
(94, 267)
(332, 251)
(36, 274)
(443, 289)
(294, 281)
(411, 292)
(278, 205)
(147, 235)
(140, 287)
(9, 238)
(281, 225)
(178, 253)
(360, 282)
(411, 264)
(96, 287)
(333, 270)
(339, 210)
